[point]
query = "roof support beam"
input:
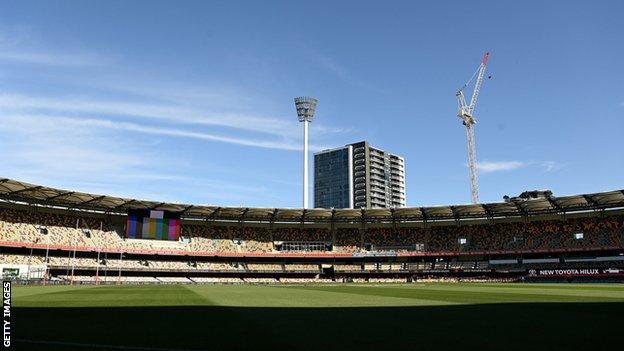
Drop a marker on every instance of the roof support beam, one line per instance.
(555, 205)
(59, 195)
(98, 198)
(157, 206)
(242, 217)
(455, 214)
(487, 210)
(272, 221)
(303, 215)
(591, 201)
(424, 215)
(215, 213)
(25, 190)
(520, 209)
(186, 209)
(363, 219)
(363, 216)
(126, 203)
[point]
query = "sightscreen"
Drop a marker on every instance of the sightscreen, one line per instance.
(151, 224)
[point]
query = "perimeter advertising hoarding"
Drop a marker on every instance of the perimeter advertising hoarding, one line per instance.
(573, 272)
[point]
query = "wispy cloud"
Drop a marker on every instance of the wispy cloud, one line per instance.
(166, 112)
(87, 157)
(21, 45)
(95, 124)
(66, 146)
(332, 65)
(74, 59)
(498, 166)
(185, 111)
(549, 166)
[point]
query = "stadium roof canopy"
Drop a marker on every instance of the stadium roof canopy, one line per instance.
(16, 191)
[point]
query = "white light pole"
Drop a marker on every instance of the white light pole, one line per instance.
(74, 258)
(29, 261)
(306, 106)
(47, 261)
(120, 261)
(97, 266)
(97, 269)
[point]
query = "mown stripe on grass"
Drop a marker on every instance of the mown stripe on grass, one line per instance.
(464, 296)
(20, 291)
(561, 290)
(560, 286)
(125, 295)
(389, 298)
(278, 296)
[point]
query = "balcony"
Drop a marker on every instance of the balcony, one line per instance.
(377, 170)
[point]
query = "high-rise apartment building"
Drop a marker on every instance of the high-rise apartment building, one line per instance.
(358, 176)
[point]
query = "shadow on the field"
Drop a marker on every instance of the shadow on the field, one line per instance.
(522, 326)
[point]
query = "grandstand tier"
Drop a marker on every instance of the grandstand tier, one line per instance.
(55, 235)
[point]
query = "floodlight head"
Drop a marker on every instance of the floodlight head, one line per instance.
(306, 106)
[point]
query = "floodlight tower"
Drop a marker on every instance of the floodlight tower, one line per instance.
(466, 115)
(306, 106)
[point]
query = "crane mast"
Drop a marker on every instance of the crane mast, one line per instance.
(466, 115)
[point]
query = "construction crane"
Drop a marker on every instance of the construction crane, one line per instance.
(466, 115)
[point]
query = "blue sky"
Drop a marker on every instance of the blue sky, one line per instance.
(192, 101)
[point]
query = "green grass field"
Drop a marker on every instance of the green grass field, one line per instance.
(341, 317)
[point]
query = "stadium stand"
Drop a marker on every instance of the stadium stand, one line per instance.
(78, 237)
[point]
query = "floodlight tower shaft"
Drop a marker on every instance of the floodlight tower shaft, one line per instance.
(306, 106)
(305, 164)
